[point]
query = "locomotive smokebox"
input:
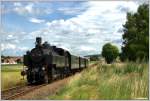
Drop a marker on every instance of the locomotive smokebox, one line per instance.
(38, 41)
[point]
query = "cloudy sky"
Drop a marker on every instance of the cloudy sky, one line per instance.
(80, 27)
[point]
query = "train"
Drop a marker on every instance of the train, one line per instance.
(44, 63)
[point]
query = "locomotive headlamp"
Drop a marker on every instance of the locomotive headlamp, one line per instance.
(26, 68)
(43, 68)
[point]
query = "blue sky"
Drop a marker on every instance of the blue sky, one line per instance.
(80, 27)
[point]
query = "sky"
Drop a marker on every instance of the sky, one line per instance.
(81, 27)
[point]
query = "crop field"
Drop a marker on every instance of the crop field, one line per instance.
(120, 81)
(10, 76)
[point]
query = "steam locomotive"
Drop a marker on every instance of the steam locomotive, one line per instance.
(44, 63)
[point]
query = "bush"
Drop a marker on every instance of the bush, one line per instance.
(110, 52)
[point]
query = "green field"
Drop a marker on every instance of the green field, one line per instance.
(10, 76)
(105, 81)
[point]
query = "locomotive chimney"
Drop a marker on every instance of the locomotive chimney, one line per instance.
(38, 41)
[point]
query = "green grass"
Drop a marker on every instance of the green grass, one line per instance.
(125, 81)
(10, 76)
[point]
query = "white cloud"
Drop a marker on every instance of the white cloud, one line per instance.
(23, 48)
(70, 10)
(87, 32)
(73, 9)
(142, 1)
(87, 48)
(30, 9)
(14, 43)
(12, 49)
(7, 46)
(10, 36)
(23, 9)
(35, 20)
(96, 26)
(17, 4)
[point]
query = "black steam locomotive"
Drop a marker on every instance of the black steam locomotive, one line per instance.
(44, 63)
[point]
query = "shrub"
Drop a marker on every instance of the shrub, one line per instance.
(110, 52)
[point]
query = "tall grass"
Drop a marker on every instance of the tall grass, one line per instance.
(126, 81)
(10, 76)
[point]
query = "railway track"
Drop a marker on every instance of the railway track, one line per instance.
(15, 92)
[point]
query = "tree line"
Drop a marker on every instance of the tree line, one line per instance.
(135, 37)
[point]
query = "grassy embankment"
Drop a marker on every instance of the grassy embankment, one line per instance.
(10, 76)
(116, 81)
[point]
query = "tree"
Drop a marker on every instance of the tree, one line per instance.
(136, 35)
(110, 52)
(18, 61)
(2, 56)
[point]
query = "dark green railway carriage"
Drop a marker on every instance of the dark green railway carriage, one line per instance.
(86, 62)
(74, 62)
(82, 62)
(58, 61)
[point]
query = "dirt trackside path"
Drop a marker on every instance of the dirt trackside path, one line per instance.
(43, 92)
